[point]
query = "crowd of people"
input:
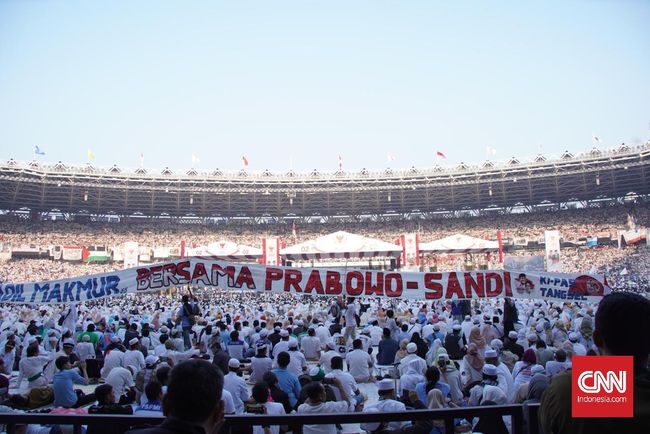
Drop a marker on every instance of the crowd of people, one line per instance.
(573, 224)
(280, 354)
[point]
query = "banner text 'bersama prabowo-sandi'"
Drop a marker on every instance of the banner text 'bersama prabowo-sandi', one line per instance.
(201, 272)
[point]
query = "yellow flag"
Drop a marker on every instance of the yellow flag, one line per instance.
(91, 155)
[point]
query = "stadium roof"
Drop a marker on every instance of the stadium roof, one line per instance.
(115, 191)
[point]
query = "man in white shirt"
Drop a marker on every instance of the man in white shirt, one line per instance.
(316, 404)
(347, 380)
(387, 402)
(326, 358)
(123, 385)
(504, 377)
(283, 345)
(114, 359)
(85, 349)
(376, 332)
(261, 397)
(236, 385)
(323, 333)
(350, 321)
(310, 345)
(359, 363)
(578, 348)
(411, 349)
(133, 356)
(297, 363)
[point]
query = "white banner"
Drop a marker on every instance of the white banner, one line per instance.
(72, 253)
(310, 281)
(130, 253)
(161, 252)
(527, 263)
(271, 251)
(410, 251)
(552, 245)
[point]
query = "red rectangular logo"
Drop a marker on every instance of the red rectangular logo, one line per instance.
(602, 386)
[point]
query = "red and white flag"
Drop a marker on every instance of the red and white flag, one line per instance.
(293, 229)
(340, 163)
(244, 161)
(439, 154)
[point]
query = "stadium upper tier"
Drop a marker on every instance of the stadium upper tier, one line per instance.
(87, 189)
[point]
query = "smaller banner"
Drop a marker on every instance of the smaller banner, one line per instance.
(552, 245)
(410, 251)
(131, 251)
(527, 264)
(161, 252)
(72, 253)
(271, 251)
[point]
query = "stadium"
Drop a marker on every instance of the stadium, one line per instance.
(589, 178)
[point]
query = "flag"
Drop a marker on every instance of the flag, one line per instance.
(340, 163)
(195, 159)
(490, 151)
(596, 139)
(91, 154)
(439, 154)
(390, 158)
(38, 151)
(293, 229)
(244, 160)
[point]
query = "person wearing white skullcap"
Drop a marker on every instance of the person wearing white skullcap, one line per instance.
(283, 345)
(578, 348)
(133, 356)
(387, 402)
(504, 377)
(411, 349)
(490, 378)
(236, 385)
(261, 363)
(326, 356)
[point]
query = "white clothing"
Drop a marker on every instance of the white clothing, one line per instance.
(134, 358)
(121, 379)
(310, 346)
(236, 385)
(85, 351)
(228, 404)
(114, 359)
(320, 408)
(359, 363)
(259, 367)
(272, 408)
(326, 360)
(347, 381)
(389, 405)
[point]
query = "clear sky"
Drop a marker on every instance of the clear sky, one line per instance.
(305, 81)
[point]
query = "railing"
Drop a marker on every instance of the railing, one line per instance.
(12, 420)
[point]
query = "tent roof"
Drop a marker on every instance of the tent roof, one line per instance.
(226, 250)
(460, 243)
(341, 245)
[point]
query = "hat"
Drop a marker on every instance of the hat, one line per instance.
(164, 330)
(443, 356)
(489, 369)
(85, 338)
(513, 334)
(539, 328)
(260, 344)
(68, 344)
(436, 327)
(411, 348)
(316, 373)
(233, 363)
(276, 328)
(264, 333)
(496, 344)
(115, 339)
(467, 317)
(331, 345)
(490, 354)
(299, 322)
(386, 384)
(532, 337)
(31, 340)
(134, 341)
(293, 343)
(476, 321)
(456, 327)
(284, 333)
(151, 360)
(370, 426)
(573, 337)
(537, 369)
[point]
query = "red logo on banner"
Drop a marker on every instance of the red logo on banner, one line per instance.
(602, 386)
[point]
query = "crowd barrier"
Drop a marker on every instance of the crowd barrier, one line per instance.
(519, 426)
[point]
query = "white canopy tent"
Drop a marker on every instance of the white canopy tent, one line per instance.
(460, 243)
(341, 245)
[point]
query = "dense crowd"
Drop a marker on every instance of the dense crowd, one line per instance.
(284, 354)
(573, 224)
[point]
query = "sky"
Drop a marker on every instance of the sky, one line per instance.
(296, 83)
